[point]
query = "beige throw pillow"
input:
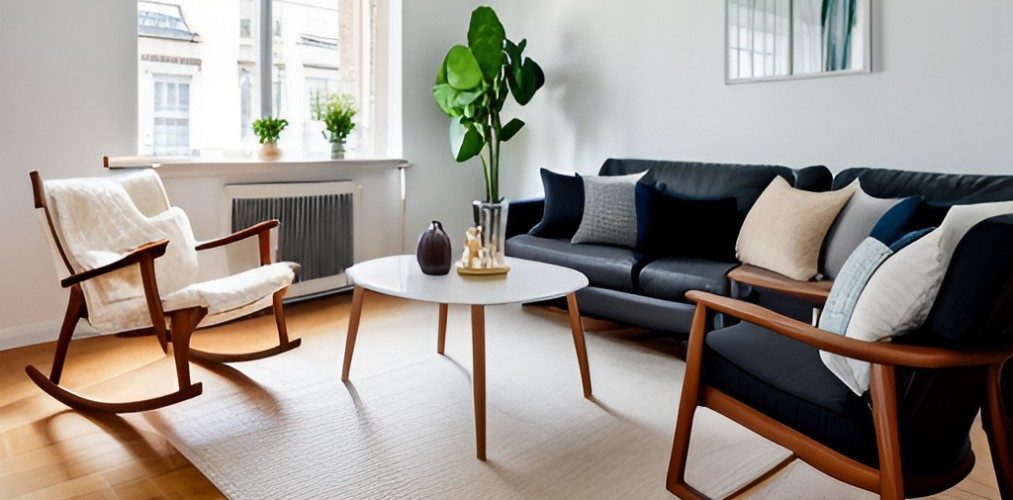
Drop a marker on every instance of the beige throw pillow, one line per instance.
(784, 230)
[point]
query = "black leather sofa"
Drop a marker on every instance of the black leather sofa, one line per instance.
(650, 293)
(631, 289)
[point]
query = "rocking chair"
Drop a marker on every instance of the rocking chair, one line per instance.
(122, 294)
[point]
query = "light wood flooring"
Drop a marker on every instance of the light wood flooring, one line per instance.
(49, 451)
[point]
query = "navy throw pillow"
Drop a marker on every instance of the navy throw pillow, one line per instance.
(564, 206)
(891, 226)
(929, 214)
(672, 226)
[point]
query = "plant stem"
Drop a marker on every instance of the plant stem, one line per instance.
(494, 146)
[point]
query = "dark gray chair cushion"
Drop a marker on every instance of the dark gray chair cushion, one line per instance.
(670, 278)
(604, 266)
(785, 380)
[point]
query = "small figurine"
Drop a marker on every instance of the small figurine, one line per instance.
(472, 247)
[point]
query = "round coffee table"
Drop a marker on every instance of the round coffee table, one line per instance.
(527, 281)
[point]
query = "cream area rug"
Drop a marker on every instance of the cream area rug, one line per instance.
(404, 426)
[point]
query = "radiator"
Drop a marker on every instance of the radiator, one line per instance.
(317, 228)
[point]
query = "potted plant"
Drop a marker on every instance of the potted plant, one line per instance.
(337, 112)
(472, 86)
(268, 130)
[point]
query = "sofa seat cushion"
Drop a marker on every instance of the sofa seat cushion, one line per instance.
(670, 278)
(604, 266)
(785, 380)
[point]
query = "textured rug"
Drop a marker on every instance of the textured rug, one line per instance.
(286, 427)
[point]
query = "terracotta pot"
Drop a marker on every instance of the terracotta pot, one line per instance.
(269, 151)
(433, 252)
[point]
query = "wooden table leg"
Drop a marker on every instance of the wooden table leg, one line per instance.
(441, 336)
(353, 330)
(478, 374)
(578, 341)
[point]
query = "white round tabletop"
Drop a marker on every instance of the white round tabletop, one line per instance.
(527, 281)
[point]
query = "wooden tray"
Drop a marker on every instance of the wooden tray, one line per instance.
(488, 271)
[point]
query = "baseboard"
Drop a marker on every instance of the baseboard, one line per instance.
(38, 333)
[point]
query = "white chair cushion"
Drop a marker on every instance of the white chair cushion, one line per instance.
(231, 292)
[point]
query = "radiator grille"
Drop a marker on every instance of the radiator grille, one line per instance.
(316, 231)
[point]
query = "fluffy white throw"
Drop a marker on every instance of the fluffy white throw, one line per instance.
(99, 223)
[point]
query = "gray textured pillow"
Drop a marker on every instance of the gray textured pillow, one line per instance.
(851, 227)
(610, 211)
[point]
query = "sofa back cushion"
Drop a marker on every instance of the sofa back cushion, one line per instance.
(714, 181)
(938, 190)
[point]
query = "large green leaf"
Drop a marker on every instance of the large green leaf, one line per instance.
(485, 38)
(465, 140)
(462, 70)
(510, 129)
(525, 82)
(445, 95)
(441, 74)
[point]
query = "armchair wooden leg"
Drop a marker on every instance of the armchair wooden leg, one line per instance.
(995, 421)
(279, 316)
(75, 311)
(441, 334)
(883, 386)
(284, 344)
(184, 322)
(154, 301)
(676, 482)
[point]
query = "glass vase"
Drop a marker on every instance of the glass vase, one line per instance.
(492, 218)
(337, 150)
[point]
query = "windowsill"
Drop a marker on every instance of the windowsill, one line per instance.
(252, 161)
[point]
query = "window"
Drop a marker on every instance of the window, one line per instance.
(238, 60)
(171, 116)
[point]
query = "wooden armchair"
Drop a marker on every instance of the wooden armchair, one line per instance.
(172, 315)
(910, 437)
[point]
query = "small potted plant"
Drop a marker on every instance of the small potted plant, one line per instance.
(268, 130)
(337, 111)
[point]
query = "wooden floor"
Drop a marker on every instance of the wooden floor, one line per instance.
(48, 451)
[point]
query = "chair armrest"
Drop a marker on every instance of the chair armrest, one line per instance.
(813, 292)
(152, 250)
(240, 235)
(883, 353)
(524, 215)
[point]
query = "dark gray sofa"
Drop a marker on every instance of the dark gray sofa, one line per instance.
(628, 288)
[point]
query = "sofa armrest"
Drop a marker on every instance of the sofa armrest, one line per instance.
(813, 292)
(524, 215)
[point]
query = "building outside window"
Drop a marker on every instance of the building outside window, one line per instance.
(212, 49)
(171, 127)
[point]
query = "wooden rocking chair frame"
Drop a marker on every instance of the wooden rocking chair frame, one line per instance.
(182, 323)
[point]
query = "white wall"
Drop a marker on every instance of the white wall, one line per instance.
(645, 79)
(438, 187)
(68, 88)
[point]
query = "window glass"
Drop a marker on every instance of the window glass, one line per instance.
(200, 86)
(192, 55)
